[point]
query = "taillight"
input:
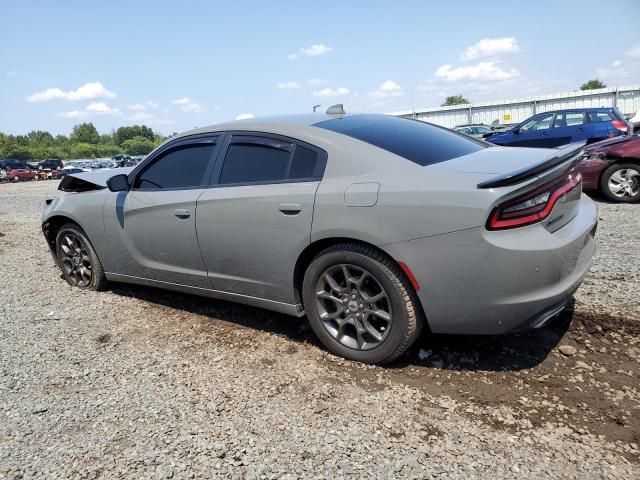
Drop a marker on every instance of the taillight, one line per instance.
(620, 125)
(532, 207)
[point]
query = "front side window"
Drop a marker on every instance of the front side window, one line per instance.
(538, 123)
(180, 168)
(257, 160)
(481, 130)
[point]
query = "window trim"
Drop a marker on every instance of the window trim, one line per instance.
(244, 136)
(218, 138)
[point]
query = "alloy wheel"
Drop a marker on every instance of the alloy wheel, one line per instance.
(625, 183)
(353, 306)
(75, 260)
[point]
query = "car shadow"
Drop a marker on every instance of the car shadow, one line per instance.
(497, 353)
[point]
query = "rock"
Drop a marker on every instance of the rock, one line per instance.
(567, 350)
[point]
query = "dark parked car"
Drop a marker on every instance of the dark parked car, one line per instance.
(613, 168)
(553, 129)
(11, 163)
(53, 164)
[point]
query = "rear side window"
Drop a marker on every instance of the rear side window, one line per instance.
(595, 117)
(268, 160)
(417, 141)
(568, 119)
(183, 167)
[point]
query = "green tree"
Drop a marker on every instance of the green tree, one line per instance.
(455, 100)
(593, 84)
(40, 137)
(127, 133)
(85, 133)
(138, 145)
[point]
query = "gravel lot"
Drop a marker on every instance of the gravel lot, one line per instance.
(140, 383)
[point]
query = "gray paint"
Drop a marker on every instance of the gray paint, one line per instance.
(242, 242)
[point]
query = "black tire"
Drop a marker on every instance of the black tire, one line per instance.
(98, 280)
(406, 314)
(609, 172)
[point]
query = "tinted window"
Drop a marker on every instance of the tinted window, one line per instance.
(246, 162)
(180, 168)
(304, 164)
(599, 117)
(414, 140)
(481, 130)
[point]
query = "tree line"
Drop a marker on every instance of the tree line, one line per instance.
(84, 142)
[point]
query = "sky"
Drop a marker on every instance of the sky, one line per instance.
(178, 65)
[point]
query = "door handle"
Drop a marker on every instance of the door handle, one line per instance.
(290, 208)
(182, 213)
(544, 133)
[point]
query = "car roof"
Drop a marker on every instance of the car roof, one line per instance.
(590, 109)
(257, 123)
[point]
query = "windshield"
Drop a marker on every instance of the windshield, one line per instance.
(419, 142)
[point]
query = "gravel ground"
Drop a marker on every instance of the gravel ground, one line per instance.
(140, 383)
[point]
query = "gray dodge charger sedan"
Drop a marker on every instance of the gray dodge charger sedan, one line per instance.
(373, 226)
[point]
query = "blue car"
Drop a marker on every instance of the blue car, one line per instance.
(560, 127)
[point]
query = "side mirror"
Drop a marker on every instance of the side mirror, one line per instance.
(515, 130)
(118, 183)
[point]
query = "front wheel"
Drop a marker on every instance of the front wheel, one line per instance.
(78, 260)
(360, 304)
(621, 182)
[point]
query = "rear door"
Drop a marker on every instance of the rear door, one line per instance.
(256, 218)
(153, 225)
(567, 127)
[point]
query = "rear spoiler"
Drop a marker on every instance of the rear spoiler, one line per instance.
(568, 152)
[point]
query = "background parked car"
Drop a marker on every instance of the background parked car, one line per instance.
(552, 129)
(9, 163)
(613, 168)
(68, 170)
(18, 174)
(478, 130)
(51, 163)
(634, 121)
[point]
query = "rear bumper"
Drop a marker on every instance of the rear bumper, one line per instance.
(477, 281)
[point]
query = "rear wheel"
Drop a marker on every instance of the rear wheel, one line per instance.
(621, 182)
(78, 260)
(360, 304)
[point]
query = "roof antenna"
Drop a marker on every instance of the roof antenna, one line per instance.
(337, 109)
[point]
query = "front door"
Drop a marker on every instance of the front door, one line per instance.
(256, 219)
(533, 133)
(154, 223)
(568, 127)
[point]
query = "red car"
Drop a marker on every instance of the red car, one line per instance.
(17, 174)
(612, 167)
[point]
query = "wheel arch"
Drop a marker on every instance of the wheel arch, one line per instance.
(52, 225)
(313, 249)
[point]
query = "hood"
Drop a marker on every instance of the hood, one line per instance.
(86, 181)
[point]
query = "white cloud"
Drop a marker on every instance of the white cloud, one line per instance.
(316, 82)
(617, 63)
(101, 108)
(73, 114)
(288, 85)
(193, 108)
(330, 92)
(488, 47)
(137, 107)
(634, 51)
(189, 106)
(387, 89)
(88, 91)
(142, 117)
(151, 104)
(314, 50)
(245, 116)
(482, 71)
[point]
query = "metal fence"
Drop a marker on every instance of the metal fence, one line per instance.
(516, 110)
